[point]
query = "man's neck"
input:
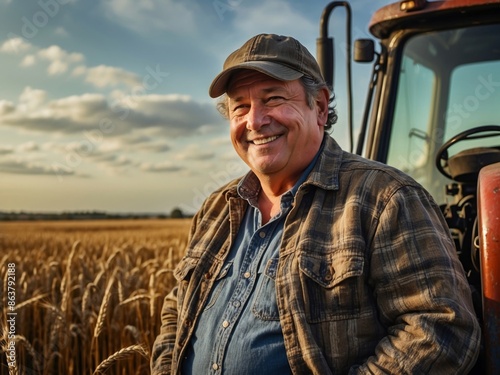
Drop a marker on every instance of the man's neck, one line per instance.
(270, 195)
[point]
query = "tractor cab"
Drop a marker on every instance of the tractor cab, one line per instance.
(433, 111)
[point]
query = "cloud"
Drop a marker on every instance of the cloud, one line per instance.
(29, 146)
(165, 166)
(61, 31)
(140, 142)
(103, 76)
(6, 107)
(272, 17)
(30, 168)
(147, 16)
(195, 152)
(15, 45)
(170, 116)
(31, 99)
(5, 150)
(59, 59)
(29, 60)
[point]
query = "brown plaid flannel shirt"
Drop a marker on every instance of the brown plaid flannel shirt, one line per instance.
(368, 281)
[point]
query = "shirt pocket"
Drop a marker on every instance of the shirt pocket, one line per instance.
(219, 284)
(331, 285)
(265, 306)
(183, 273)
(185, 267)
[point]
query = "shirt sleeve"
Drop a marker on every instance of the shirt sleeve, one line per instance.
(161, 356)
(422, 293)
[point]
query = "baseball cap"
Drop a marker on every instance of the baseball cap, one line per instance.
(281, 57)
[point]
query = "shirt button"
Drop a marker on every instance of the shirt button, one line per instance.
(215, 366)
(236, 303)
(246, 275)
(262, 234)
(225, 324)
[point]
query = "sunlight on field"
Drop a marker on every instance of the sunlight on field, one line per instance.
(86, 295)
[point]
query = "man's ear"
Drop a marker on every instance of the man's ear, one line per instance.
(322, 101)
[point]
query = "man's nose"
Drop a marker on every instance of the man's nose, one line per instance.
(257, 117)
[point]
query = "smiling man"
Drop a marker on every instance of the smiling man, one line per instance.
(316, 261)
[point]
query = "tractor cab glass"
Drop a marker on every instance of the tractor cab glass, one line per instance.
(449, 81)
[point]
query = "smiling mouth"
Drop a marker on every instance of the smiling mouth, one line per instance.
(263, 141)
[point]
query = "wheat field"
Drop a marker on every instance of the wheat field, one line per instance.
(87, 295)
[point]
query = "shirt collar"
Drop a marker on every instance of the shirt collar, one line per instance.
(249, 186)
(324, 173)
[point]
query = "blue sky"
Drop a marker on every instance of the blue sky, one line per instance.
(104, 104)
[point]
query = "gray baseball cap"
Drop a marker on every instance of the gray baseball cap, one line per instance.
(281, 57)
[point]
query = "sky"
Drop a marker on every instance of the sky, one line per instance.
(104, 104)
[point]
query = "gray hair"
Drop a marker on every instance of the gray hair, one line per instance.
(312, 89)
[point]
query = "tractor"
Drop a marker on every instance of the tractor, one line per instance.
(433, 111)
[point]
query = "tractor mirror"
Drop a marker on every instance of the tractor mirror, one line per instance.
(364, 50)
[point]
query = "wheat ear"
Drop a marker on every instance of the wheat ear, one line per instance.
(119, 355)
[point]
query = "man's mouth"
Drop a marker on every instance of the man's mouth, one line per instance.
(263, 141)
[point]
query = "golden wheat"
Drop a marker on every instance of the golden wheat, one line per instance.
(120, 355)
(88, 294)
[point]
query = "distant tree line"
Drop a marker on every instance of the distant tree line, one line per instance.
(175, 213)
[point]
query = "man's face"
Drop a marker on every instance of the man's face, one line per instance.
(273, 129)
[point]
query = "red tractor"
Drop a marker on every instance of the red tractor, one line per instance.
(433, 111)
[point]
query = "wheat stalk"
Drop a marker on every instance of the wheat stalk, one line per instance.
(66, 281)
(86, 299)
(31, 351)
(152, 299)
(134, 298)
(104, 307)
(112, 257)
(119, 355)
(30, 301)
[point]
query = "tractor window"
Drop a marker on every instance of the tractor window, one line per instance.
(409, 149)
(474, 101)
(448, 82)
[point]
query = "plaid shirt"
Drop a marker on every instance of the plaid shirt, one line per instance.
(368, 280)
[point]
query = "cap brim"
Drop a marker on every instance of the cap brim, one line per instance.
(277, 71)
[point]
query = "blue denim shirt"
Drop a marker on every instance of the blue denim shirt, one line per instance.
(239, 331)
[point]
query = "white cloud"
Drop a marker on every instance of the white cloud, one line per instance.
(272, 17)
(29, 60)
(103, 76)
(59, 59)
(31, 99)
(6, 107)
(15, 45)
(29, 146)
(147, 16)
(170, 115)
(61, 31)
(195, 152)
(4, 150)
(165, 166)
(54, 52)
(19, 166)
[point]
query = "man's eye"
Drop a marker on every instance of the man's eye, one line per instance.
(274, 99)
(239, 108)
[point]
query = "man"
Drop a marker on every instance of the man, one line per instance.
(317, 261)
